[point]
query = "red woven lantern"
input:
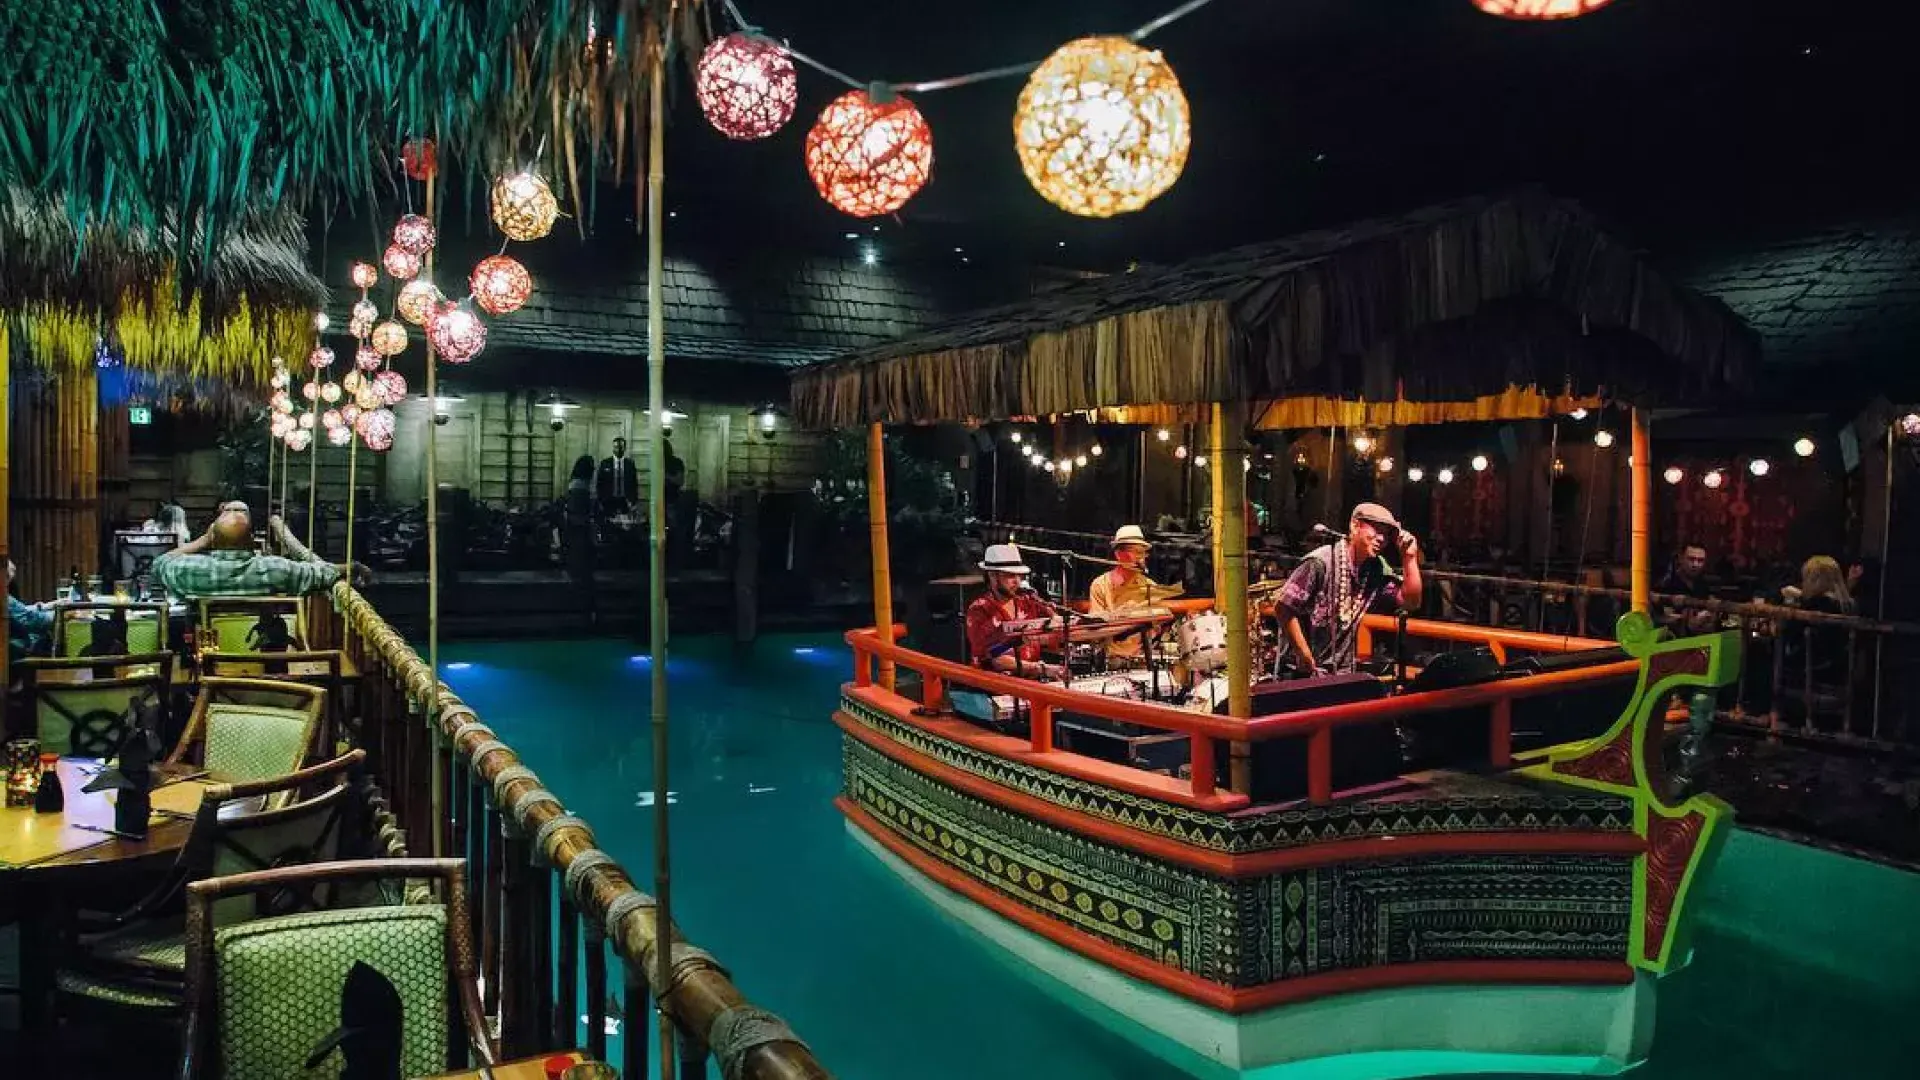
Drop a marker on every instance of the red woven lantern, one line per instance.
(746, 86)
(400, 262)
(456, 334)
(321, 357)
(366, 359)
(500, 284)
(389, 388)
(350, 414)
(420, 158)
(414, 233)
(376, 428)
(1538, 10)
(868, 158)
(364, 275)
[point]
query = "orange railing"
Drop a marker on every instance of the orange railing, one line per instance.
(1316, 725)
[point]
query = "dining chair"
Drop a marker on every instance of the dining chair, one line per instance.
(246, 624)
(76, 626)
(136, 959)
(263, 994)
(250, 729)
(79, 706)
(326, 668)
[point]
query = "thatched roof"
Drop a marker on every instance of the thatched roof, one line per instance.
(1485, 308)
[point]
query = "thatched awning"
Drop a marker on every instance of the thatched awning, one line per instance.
(1487, 308)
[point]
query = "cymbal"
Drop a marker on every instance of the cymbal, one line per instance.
(1261, 588)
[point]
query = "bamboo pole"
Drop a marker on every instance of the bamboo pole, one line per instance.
(433, 548)
(6, 494)
(272, 447)
(1216, 494)
(657, 530)
(1229, 455)
(313, 474)
(1642, 547)
(877, 530)
(353, 489)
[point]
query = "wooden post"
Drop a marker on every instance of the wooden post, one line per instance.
(1230, 541)
(746, 567)
(272, 452)
(313, 474)
(434, 754)
(1216, 495)
(657, 529)
(1642, 571)
(877, 532)
(6, 493)
(353, 468)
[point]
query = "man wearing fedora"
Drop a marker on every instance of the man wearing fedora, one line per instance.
(1125, 587)
(1322, 602)
(1007, 600)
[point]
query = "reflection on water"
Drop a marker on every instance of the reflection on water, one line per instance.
(1809, 963)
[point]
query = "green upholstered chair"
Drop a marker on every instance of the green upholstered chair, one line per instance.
(79, 706)
(226, 622)
(251, 729)
(262, 994)
(137, 959)
(327, 668)
(74, 627)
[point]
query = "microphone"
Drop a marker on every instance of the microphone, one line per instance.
(1321, 532)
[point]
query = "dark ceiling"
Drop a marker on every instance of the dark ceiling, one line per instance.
(1691, 124)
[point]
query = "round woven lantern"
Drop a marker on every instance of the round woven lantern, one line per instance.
(500, 284)
(376, 428)
(364, 311)
(310, 391)
(523, 206)
(456, 334)
(350, 414)
(420, 158)
(281, 401)
(299, 439)
(868, 158)
(330, 419)
(416, 300)
(1102, 127)
(330, 392)
(306, 420)
(1539, 10)
(321, 357)
(340, 436)
(389, 338)
(352, 381)
(746, 86)
(282, 424)
(366, 398)
(400, 262)
(364, 275)
(414, 233)
(388, 388)
(280, 380)
(366, 359)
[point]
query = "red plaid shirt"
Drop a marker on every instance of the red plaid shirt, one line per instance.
(985, 639)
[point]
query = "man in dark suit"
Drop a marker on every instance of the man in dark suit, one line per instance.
(618, 482)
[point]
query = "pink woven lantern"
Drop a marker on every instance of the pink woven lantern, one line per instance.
(280, 380)
(340, 436)
(456, 334)
(321, 357)
(389, 338)
(330, 419)
(416, 300)
(414, 233)
(299, 439)
(329, 392)
(388, 388)
(1539, 10)
(746, 86)
(364, 275)
(400, 262)
(305, 420)
(281, 401)
(366, 359)
(376, 429)
(350, 414)
(366, 398)
(351, 382)
(311, 390)
(868, 158)
(282, 423)
(500, 284)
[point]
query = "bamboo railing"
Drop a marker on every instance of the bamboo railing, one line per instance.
(525, 850)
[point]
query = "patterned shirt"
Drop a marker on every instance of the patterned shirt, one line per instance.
(985, 639)
(1109, 593)
(1328, 595)
(240, 573)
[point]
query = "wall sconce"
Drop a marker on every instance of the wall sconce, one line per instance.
(767, 420)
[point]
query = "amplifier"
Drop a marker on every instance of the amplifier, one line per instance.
(1362, 753)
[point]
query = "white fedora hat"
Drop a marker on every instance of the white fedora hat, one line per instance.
(1130, 534)
(1004, 559)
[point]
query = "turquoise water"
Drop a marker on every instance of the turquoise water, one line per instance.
(1807, 963)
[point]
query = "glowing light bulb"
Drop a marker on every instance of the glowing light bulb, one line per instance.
(1479, 463)
(1578, 414)
(1416, 474)
(1180, 452)
(1803, 446)
(1016, 437)
(1080, 461)
(1096, 450)
(1200, 460)
(1603, 438)
(1385, 466)
(1674, 474)
(1363, 444)
(1759, 466)
(1714, 479)
(1163, 434)
(1445, 476)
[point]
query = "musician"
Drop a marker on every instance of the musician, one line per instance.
(1008, 599)
(1125, 589)
(1322, 602)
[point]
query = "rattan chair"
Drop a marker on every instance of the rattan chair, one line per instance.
(79, 707)
(137, 959)
(77, 625)
(250, 729)
(261, 995)
(229, 624)
(318, 667)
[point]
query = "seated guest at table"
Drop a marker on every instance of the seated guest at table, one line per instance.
(223, 562)
(1686, 577)
(1822, 588)
(1322, 602)
(29, 626)
(169, 519)
(1124, 588)
(1007, 600)
(618, 486)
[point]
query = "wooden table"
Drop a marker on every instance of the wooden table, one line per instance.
(48, 859)
(533, 1068)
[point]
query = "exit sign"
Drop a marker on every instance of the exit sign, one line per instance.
(139, 415)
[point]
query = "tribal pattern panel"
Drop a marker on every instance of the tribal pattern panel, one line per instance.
(1520, 806)
(1256, 931)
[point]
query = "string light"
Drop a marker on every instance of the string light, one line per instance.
(1674, 474)
(746, 86)
(1080, 461)
(1445, 476)
(1759, 467)
(1416, 474)
(523, 206)
(1714, 479)
(1385, 466)
(1539, 10)
(1016, 437)
(321, 321)
(867, 157)
(1910, 425)
(1163, 434)
(1180, 452)
(1362, 443)
(1102, 127)
(1803, 446)
(1096, 449)
(1479, 463)
(1578, 414)
(1603, 438)
(1200, 461)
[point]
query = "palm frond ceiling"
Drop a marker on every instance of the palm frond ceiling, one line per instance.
(135, 114)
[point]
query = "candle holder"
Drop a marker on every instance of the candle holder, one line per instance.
(22, 771)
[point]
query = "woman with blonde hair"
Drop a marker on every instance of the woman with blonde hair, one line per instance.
(1823, 589)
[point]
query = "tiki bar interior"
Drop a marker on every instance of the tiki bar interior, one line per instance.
(552, 540)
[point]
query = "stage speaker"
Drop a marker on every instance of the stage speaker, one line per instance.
(1462, 667)
(1362, 753)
